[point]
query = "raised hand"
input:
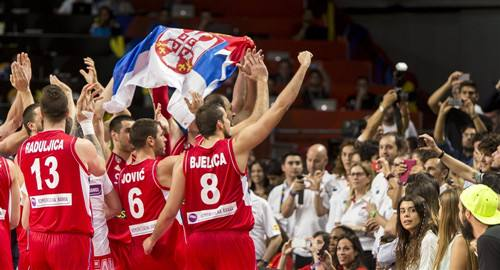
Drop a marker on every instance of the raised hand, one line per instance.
(160, 118)
(195, 103)
(445, 107)
(468, 108)
(254, 67)
(90, 75)
(430, 143)
(55, 81)
(389, 98)
(25, 63)
(454, 76)
(305, 58)
(315, 180)
(85, 106)
(18, 78)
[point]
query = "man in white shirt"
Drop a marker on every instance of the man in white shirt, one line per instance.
(265, 229)
(298, 208)
(291, 165)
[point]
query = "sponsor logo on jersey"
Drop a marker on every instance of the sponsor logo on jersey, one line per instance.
(142, 228)
(44, 146)
(205, 162)
(117, 167)
(95, 190)
(219, 212)
(51, 200)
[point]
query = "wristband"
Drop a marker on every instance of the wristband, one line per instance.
(293, 193)
(373, 213)
(381, 108)
(87, 127)
(441, 155)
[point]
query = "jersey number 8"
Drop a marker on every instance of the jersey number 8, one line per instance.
(209, 189)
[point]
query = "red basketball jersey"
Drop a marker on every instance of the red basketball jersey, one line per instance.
(5, 185)
(57, 183)
(117, 227)
(142, 197)
(216, 191)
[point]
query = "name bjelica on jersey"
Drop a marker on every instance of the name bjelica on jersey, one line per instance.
(205, 162)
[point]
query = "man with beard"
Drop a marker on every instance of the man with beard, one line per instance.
(480, 220)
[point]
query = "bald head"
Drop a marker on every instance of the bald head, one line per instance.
(317, 158)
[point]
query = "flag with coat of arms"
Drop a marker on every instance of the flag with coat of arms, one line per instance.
(187, 60)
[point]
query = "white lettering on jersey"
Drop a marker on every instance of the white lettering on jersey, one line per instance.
(133, 177)
(44, 146)
(205, 162)
(142, 228)
(51, 200)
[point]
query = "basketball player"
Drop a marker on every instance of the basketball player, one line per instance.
(211, 181)
(143, 197)
(56, 167)
(10, 175)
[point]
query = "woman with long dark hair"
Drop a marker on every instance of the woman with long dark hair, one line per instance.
(417, 241)
(349, 253)
(259, 183)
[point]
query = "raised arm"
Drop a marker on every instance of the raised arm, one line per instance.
(169, 211)
(376, 118)
(68, 92)
(15, 199)
(468, 108)
(254, 134)
(11, 143)
(444, 108)
(439, 93)
(461, 169)
(254, 69)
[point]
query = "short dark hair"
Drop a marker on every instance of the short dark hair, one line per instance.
(467, 83)
(289, 154)
(141, 130)
(367, 150)
(215, 99)
(29, 115)
(492, 180)
(489, 143)
(116, 123)
(53, 103)
(427, 187)
(400, 142)
(425, 154)
(207, 117)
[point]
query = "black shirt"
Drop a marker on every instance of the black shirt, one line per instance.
(488, 249)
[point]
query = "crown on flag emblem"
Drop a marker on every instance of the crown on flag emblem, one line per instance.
(181, 48)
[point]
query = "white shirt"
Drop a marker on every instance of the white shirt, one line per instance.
(276, 199)
(379, 188)
(386, 212)
(265, 226)
(411, 131)
(428, 250)
(99, 187)
(331, 185)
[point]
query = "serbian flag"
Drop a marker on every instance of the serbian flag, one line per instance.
(186, 60)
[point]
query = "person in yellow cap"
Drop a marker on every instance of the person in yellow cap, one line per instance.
(480, 220)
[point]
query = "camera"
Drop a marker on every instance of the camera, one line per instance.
(399, 80)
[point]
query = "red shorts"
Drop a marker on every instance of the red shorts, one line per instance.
(5, 254)
(54, 251)
(103, 262)
(161, 257)
(220, 250)
(24, 260)
(120, 253)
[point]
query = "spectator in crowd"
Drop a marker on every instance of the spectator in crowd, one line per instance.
(284, 72)
(119, 7)
(439, 171)
(343, 160)
(323, 183)
(298, 208)
(349, 254)
(318, 248)
(316, 86)
(258, 180)
(487, 147)
(274, 172)
(389, 123)
(104, 24)
(453, 250)
(313, 27)
(363, 100)
(351, 209)
(337, 233)
(417, 241)
(480, 220)
(427, 187)
(291, 166)
(266, 233)
(467, 132)
(476, 154)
